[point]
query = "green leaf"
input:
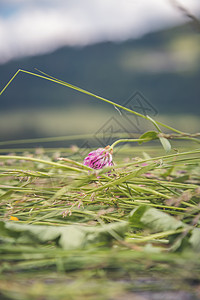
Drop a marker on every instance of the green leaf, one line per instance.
(149, 136)
(154, 219)
(166, 144)
(136, 215)
(68, 237)
(194, 240)
(158, 221)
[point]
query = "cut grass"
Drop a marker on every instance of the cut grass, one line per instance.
(102, 232)
(40, 191)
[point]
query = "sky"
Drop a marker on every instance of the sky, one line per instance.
(33, 27)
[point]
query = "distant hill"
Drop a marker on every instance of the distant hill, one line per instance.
(163, 66)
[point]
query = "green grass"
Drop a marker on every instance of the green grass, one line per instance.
(70, 232)
(39, 190)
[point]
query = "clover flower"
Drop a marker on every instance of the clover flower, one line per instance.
(97, 159)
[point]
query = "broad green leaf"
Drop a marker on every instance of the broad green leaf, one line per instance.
(194, 240)
(154, 219)
(149, 136)
(166, 144)
(68, 237)
(159, 221)
(136, 215)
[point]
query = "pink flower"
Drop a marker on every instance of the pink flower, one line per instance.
(102, 157)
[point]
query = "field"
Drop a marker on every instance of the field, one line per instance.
(127, 230)
(130, 231)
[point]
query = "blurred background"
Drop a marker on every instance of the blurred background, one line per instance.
(144, 54)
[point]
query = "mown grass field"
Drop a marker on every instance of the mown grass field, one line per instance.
(126, 232)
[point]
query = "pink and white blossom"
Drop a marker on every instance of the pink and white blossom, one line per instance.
(97, 159)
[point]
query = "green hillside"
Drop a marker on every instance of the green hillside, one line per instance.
(163, 66)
